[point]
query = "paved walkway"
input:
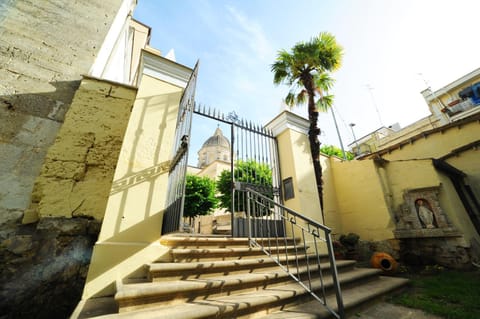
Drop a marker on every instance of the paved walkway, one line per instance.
(384, 310)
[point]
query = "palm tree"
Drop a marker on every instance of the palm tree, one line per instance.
(306, 69)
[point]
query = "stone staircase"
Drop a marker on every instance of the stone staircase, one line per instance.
(220, 277)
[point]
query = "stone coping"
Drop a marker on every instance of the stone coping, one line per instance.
(427, 233)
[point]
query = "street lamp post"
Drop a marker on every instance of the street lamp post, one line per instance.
(355, 139)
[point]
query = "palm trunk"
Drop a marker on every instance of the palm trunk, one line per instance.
(313, 133)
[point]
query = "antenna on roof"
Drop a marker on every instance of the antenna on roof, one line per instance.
(370, 89)
(424, 80)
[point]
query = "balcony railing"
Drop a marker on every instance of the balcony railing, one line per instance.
(460, 107)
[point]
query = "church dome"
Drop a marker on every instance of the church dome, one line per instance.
(217, 139)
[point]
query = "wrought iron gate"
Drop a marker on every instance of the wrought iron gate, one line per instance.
(178, 167)
(254, 164)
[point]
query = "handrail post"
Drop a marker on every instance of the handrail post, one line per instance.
(307, 227)
(249, 230)
(336, 283)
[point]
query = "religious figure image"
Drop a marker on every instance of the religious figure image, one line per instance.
(424, 213)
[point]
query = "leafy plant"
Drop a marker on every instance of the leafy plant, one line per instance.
(332, 150)
(200, 196)
(255, 174)
(349, 241)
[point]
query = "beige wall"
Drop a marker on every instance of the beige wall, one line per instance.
(296, 162)
(437, 144)
(330, 200)
(133, 217)
(360, 199)
(368, 195)
(41, 67)
(214, 169)
(294, 152)
(457, 215)
(77, 173)
(404, 175)
(413, 129)
(469, 162)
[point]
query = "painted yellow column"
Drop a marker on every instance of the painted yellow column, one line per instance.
(296, 163)
(133, 219)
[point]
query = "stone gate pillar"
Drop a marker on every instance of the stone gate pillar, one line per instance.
(296, 167)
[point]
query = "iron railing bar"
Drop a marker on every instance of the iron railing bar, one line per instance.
(336, 283)
(295, 249)
(268, 223)
(320, 273)
(314, 229)
(303, 228)
(306, 257)
(311, 221)
(232, 191)
(285, 241)
(331, 310)
(276, 233)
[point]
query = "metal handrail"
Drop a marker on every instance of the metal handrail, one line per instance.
(268, 224)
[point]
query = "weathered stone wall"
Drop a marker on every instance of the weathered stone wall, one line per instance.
(44, 48)
(44, 266)
(68, 201)
(77, 174)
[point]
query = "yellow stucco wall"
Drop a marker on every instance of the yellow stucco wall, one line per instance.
(77, 174)
(133, 217)
(413, 129)
(142, 169)
(294, 153)
(437, 144)
(469, 163)
(361, 201)
(330, 201)
(296, 162)
(368, 196)
(458, 216)
(404, 175)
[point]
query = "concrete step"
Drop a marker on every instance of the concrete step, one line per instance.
(228, 253)
(246, 304)
(141, 295)
(223, 277)
(354, 298)
(205, 269)
(220, 241)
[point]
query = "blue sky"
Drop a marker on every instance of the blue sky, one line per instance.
(391, 49)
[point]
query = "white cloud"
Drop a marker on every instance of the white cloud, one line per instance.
(251, 34)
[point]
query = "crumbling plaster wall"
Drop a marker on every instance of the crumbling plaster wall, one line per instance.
(45, 46)
(77, 174)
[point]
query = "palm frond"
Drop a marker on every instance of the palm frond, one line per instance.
(330, 53)
(290, 99)
(323, 81)
(324, 103)
(315, 60)
(301, 97)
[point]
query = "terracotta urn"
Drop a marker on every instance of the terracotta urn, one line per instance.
(384, 262)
